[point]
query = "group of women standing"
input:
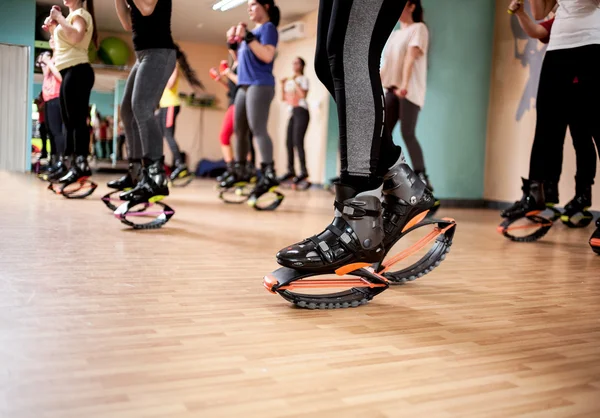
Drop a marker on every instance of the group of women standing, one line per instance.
(567, 96)
(70, 67)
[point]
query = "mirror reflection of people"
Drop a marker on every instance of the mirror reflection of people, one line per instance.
(293, 92)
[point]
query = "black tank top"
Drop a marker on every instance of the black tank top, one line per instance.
(154, 31)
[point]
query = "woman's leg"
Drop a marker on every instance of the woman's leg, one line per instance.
(155, 68)
(78, 104)
(168, 117)
(556, 83)
(76, 89)
(302, 118)
(153, 72)
(583, 142)
(131, 137)
(64, 112)
(55, 125)
(132, 132)
(43, 128)
(252, 152)
(392, 111)
(409, 114)
(356, 35)
(290, 149)
(589, 59)
(226, 133)
(241, 127)
(258, 103)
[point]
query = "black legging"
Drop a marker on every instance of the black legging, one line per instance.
(75, 92)
(296, 131)
(560, 103)
(169, 131)
(350, 39)
(44, 132)
(407, 113)
(55, 127)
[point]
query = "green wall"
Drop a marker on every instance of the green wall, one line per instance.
(17, 26)
(453, 123)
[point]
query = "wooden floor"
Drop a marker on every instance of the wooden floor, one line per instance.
(100, 321)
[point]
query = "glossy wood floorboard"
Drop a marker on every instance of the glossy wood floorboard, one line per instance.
(100, 321)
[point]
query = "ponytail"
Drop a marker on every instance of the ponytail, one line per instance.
(272, 10)
(417, 14)
(89, 5)
(186, 68)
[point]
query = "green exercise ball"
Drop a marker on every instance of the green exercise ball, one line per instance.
(114, 51)
(92, 53)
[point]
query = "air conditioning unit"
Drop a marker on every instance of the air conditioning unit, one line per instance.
(292, 32)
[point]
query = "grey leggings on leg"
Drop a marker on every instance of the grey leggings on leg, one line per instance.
(144, 88)
(252, 104)
(408, 113)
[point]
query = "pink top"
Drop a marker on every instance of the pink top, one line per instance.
(50, 87)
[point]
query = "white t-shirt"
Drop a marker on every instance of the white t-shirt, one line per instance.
(577, 24)
(290, 89)
(393, 61)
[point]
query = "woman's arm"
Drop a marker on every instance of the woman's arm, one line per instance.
(412, 54)
(173, 78)
(124, 13)
(232, 76)
(300, 92)
(531, 28)
(541, 8)
(73, 32)
(146, 7)
(265, 53)
(51, 67)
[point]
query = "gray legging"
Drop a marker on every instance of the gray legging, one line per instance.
(252, 105)
(144, 88)
(408, 113)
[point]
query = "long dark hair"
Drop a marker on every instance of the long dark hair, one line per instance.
(302, 63)
(188, 72)
(417, 14)
(89, 5)
(272, 10)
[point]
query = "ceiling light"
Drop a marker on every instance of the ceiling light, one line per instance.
(200, 25)
(225, 5)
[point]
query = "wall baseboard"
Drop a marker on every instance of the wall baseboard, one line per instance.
(486, 204)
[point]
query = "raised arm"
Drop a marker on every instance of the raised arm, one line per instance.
(73, 32)
(264, 52)
(146, 7)
(531, 28)
(124, 13)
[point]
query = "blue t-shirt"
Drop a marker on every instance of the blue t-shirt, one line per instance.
(251, 70)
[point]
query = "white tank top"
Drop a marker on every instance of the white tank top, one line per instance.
(577, 24)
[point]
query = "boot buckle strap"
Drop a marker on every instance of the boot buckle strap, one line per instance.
(353, 209)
